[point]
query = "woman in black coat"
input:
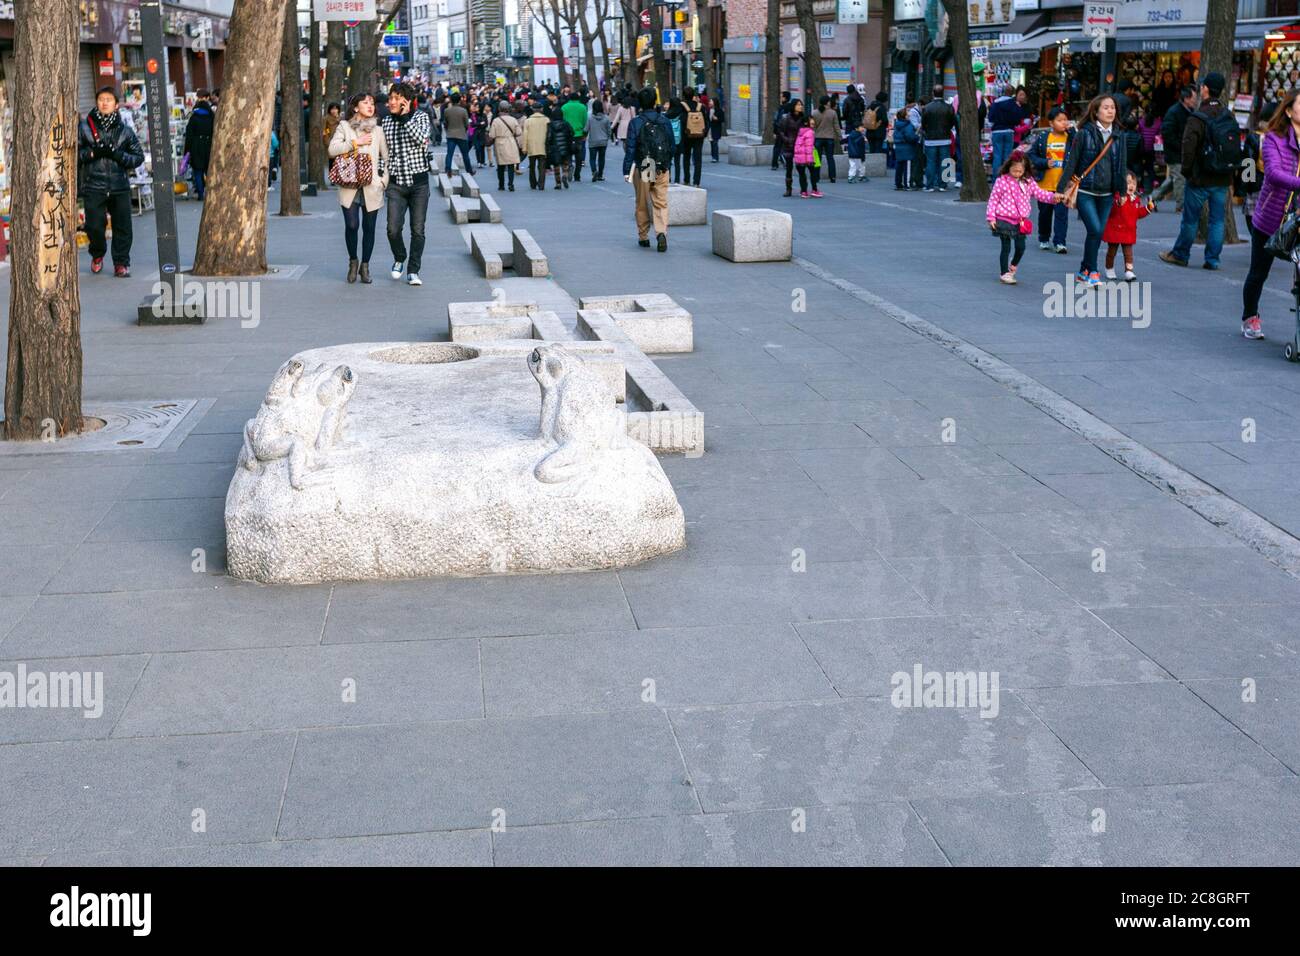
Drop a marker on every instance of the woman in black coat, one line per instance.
(559, 148)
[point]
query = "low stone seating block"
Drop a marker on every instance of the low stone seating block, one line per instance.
(486, 321)
(489, 254)
(654, 322)
(489, 211)
(876, 165)
(468, 186)
(528, 258)
(749, 155)
(687, 206)
(753, 235)
(737, 139)
(463, 210)
(448, 185)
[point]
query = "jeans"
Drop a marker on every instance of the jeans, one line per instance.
(1093, 213)
(827, 149)
(357, 218)
(506, 172)
(1260, 264)
(692, 153)
(579, 153)
(1004, 142)
(597, 161)
(1173, 183)
(199, 176)
(1053, 222)
(934, 157)
(1007, 241)
(100, 208)
(876, 142)
(400, 198)
(1194, 197)
(463, 146)
(536, 172)
(807, 170)
(902, 172)
(713, 147)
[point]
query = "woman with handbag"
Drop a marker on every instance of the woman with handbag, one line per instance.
(1094, 171)
(1275, 209)
(1009, 209)
(358, 166)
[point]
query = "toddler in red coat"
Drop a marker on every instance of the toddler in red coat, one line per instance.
(1122, 227)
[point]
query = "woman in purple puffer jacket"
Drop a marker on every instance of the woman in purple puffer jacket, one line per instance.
(1281, 152)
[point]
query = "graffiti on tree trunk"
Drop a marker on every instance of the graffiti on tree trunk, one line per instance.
(53, 211)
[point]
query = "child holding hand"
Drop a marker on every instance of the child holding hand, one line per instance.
(1121, 227)
(1009, 209)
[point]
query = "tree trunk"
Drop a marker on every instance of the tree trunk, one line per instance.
(290, 114)
(315, 108)
(232, 232)
(772, 62)
(43, 373)
(364, 69)
(705, 52)
(335, 40)
(663, 82)
(1216, 57)
(588, 51)
(631, 30)
(974, 183)
(814, 80)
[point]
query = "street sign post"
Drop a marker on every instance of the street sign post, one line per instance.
(1099, 22)
(674, 39)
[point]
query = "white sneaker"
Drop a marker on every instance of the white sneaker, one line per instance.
(1008, 278)
(397, 270)
(414, 279)
(1129, 275)
(1110, 273)
(1045, 246)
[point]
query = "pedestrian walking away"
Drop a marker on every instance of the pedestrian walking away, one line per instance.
(1171, 135)
(1211, 154)
(938, 120)
(407, 134)
(535, 147)
(907, 143)
(695, 126)
(1009, 209)
(559, 148)
(826, 134)
(574, 112)
(507, 137)
(717, 126)
(455, 121)
(599, 131)
(108, 152)
(359, 133)
(647, 155)
(198, 142)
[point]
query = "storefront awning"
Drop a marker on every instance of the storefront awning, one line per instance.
(1163, 38)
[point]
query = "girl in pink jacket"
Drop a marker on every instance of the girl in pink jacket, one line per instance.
(1009, 209)
(805, 160)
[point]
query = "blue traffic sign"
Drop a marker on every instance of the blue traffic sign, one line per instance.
(397, 39)
(674, 39)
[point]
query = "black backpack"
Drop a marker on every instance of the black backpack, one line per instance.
(1221, 148)
(654, 141)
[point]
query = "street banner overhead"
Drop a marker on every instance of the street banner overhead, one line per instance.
(344, 9)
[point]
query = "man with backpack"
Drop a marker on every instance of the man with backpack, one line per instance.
(647, 157)
(1171, 132)
(875, 120)
(695, 126)
(1211, 155)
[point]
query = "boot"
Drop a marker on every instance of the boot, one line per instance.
(352, 270)
(365, 273)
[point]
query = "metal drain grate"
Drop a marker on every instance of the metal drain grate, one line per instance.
(127, 425)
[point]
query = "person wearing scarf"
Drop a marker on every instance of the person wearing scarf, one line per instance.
(108, 152)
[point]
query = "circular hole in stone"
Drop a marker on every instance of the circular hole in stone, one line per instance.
(165, 405)
(432, 353)
(91, 424)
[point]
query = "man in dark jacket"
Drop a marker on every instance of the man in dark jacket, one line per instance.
(1207, 128)
(879, 107)
(648, 175)
(938, 120)
(1171, 134)
(781, 110)
(198, 141)
(852, 108)
(108, 153)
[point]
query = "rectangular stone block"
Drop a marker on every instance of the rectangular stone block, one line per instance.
(468, 186)
(448, 185)
(489, 211)
(753, 235)
(483, 253)
(876, 165)
(687, 206)
(654, 322)
(737, 139)
(749, 155)
(464, 210)
(485, 321)
(529, 259)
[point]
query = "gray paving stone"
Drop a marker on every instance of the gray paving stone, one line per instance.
(744, 499)
(1150, 733)
(1232, 641)
(402, 779)
(199, 520)
(955, 461)
(11, 611)
(294, 687)
(1161, 524)
(770, 541)
(555, 674)
(1226, 823)
(25, 569)
(1105, 492)
(786, 437)
(139, 566)
(1272, 718)
(133, 794)
(830, 464)
(880, 834)
(1059, 459)
(1027, 649)
(106, 695)
(476, 607)
(965, 585)
(730, 594)
(45, 488)
(69, 625)
(71, 521)
(757, 756)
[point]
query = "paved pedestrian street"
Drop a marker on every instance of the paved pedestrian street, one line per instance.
(964, 583)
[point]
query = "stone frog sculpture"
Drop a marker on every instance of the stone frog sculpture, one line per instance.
(301, 418)
(578, 413)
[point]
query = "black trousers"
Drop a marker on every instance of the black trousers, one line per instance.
(692, 153)
(100, 208)
(505, 172)
(357, 218)
(536, 172)
(597, 160)
(1261, 262)
(401, 198)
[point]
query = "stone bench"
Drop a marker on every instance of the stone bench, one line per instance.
(653, 321)
(491, 252)
(448, 185)
(486, 321)
(753, 235)
(466, 210)
(527, 256)
(876, 165)
(737, 139)
(740, 154)
(468, 186)
(687, 206)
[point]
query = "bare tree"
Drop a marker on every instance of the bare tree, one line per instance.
(663, 82)
(814, 79)
(705, 52)
(335, 43)
(363, 72)
(974, 184)
(552, 29)
(588, 46)
(232, 231)
(772, 66)
(1216, 57)
(315, 108)
(290, 114)
(602, 9)
(43, 372)
(631, 29)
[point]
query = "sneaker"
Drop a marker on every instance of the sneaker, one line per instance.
(1172, 259)
(1061, 250)
(817, 193)
(122, 272)
(943, 189)
(643, 243)
(1212, 266)
(661, 242)
(97, 265)
(1251, 329)
(1045, 246)
(1081, 276)
(1094, 279)
(1129, 275)
(397, 270)
(803, 194)
(929, 189)
(1014, 268)
(414, 279)
(1110, 273)
(1008, 278)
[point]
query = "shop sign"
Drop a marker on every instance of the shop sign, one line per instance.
(909, 38)
(105, 67)
(851, 11)
(1155, 12)
(6, 10)
(909, 10)
(742, 91)
(1099, 19)
(990, 13)
(328, 10)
